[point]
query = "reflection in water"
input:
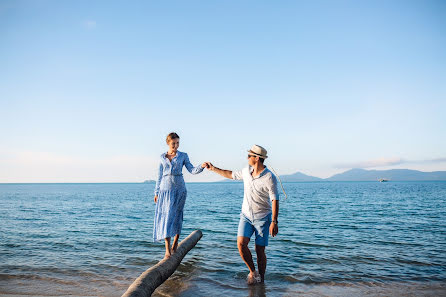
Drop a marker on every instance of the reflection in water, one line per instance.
(257, 291)
(179, 281)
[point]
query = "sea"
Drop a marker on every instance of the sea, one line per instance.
(335, 239)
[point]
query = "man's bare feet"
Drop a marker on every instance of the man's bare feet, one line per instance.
(253, 278)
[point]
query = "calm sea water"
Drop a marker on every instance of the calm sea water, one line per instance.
(335, 239)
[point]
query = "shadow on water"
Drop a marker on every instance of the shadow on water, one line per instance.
(180, 280)
(257, 291)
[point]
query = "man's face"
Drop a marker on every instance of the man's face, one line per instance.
(252, 160)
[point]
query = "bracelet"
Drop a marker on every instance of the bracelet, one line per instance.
(275, 221)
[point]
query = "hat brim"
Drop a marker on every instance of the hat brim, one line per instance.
(255, 154)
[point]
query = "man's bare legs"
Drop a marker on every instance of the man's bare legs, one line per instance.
(167, 244)
(175, 243)
(261, 261)
(245, 253)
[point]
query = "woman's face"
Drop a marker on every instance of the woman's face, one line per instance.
(174, 144)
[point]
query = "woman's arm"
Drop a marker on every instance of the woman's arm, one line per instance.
(191, 168)
(158, 181)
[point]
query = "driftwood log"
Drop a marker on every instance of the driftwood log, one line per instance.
(147, 282)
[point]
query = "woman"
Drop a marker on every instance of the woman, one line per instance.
(170, 193)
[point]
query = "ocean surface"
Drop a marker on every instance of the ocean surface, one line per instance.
(335, 239)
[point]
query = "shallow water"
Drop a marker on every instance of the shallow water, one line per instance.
(335, 239)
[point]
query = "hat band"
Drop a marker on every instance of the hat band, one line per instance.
(258, 155)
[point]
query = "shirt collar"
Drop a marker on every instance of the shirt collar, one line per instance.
(264, 171)
(165, 155)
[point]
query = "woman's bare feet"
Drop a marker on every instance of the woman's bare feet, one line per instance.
(167, 255)
(175, 243)
(174, 248)
(167, 243)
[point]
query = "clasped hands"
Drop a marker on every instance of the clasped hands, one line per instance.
(208, 166)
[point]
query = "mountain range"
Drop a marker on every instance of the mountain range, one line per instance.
(357, 174)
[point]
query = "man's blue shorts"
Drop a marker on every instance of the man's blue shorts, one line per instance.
(261, 228)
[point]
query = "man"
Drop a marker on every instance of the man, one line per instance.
(260, 209)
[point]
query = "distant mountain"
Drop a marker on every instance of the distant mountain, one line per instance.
(149, 181)
(392, 175)
(295, 177)
(367, 175)
(299, 177)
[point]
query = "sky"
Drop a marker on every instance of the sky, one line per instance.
(90, 89)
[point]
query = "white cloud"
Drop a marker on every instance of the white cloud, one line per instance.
(89, 24)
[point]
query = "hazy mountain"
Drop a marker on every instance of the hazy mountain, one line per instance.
(299, 177)
(392, 175)
(368, 175)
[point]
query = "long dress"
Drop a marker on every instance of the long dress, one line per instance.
(171, 191)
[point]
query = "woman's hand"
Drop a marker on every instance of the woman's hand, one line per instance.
(155, 198)
(273, 229)
(204, 165)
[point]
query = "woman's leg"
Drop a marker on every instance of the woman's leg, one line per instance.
(167, 242)
(175, 243)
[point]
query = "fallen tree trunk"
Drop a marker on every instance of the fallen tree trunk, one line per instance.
(147, 282)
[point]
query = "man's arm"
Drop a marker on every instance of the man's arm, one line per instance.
(274, 228)
(274, 195)
(275, 210)
(222, 172)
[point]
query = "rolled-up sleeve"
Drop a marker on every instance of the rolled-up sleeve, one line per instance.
(237, 175)
(273, 191)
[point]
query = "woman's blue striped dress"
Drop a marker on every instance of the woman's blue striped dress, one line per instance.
(171, 191)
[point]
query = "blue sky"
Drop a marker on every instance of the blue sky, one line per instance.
(89, 90)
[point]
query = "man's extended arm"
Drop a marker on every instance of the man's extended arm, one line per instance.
(222, 172)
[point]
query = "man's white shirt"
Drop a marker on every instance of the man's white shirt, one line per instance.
(258, 192)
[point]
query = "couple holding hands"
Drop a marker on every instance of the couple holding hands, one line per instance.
(260, 208)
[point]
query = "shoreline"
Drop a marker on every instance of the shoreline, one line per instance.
(195, 286)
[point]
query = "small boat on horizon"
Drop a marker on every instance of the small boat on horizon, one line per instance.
(383, 180)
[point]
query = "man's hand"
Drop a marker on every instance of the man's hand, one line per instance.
(209, 166)
(273, 229)
(155, 198)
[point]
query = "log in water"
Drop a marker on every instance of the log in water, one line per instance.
(147, 282)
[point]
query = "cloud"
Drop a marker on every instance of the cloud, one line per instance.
(437, 160)
(382, 162)
(89, 24)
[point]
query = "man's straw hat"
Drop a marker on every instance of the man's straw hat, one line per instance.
(258, 151)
